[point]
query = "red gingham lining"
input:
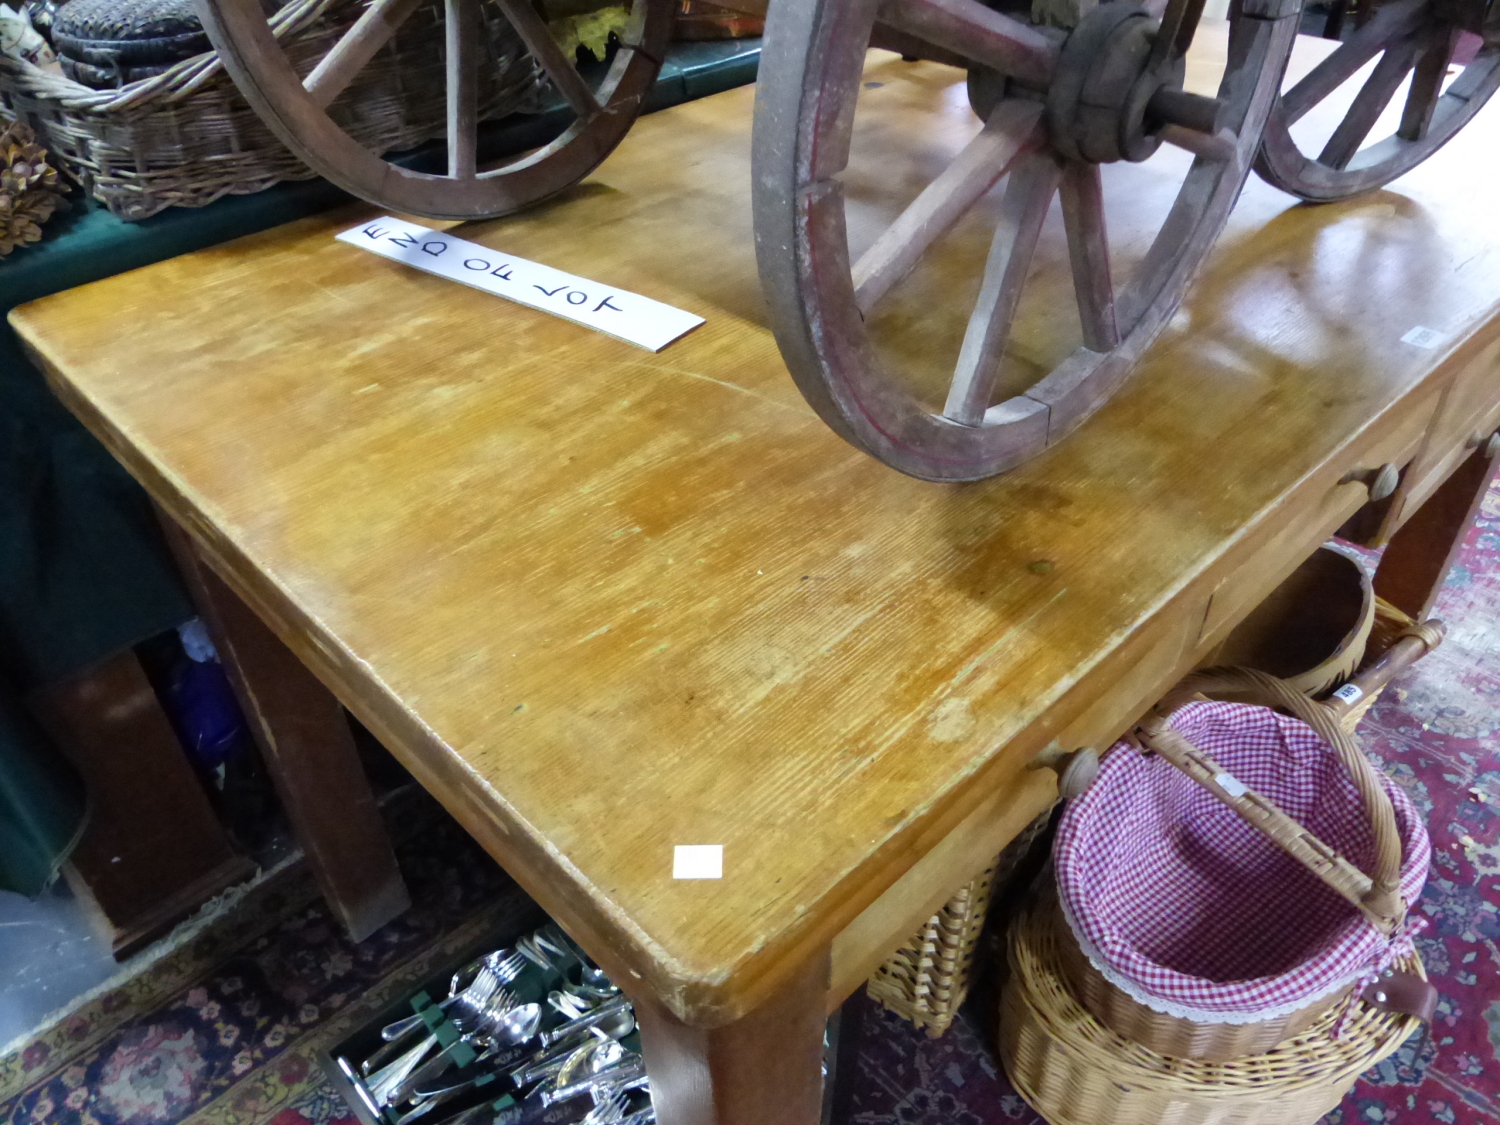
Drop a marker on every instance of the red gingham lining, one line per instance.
(1187, 905)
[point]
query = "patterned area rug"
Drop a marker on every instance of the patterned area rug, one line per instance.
(226, 1030)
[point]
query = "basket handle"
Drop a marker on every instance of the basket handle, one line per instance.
(1378, 894)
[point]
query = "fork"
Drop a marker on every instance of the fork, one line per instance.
(610, 1111)
(480, 986)
(506, 970)
(469, 1008)
(485, 1015)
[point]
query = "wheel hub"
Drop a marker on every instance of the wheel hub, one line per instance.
(1106, 77)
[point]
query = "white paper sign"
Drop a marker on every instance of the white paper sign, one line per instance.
(698, 861)
(1420, 337)
(616, 312)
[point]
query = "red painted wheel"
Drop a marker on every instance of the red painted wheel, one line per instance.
(296, 108)
(1107, 93)
(1412, 45)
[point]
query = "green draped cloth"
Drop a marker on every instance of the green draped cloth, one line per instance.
(84, 573)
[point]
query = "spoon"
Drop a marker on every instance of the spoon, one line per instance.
(504, 1029)
(547, 1062)
(566, 1004)
(591, 1058)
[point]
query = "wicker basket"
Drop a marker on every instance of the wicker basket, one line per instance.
(186, 137)
(1312, 630)
(927, 979)
(1398, 863)
(1075, 1071)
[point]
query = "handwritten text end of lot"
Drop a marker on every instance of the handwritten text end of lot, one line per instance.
(616, 312)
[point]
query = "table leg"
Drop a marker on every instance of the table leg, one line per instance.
(1416, 563)
(309, 751)
(153, 850)
(764, 1069)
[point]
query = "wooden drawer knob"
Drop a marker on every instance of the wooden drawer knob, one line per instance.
(1075, 771)
(1490, 443)
(1382, 482)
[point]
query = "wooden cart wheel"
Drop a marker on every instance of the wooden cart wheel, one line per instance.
(296, 109)
(1413, 39)
(1111, 90)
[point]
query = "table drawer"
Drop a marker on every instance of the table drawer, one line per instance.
(1275, 547)
(1470, 408)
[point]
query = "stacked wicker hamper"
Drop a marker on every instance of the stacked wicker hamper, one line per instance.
(1082, 1052)
(1065, 1060)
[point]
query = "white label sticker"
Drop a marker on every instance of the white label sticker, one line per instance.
(1349, 693)
(615, 312)
(698, 861)
(1231, 784)
(1423, 337)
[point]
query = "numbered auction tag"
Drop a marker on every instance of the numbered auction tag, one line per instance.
(1231, 784)
(617, 312)
(1422, 337)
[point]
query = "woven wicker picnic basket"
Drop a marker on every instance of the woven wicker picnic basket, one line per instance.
(1191, 884)
(1075, 1071)
(186, 137)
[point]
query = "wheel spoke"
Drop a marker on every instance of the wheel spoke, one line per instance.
(1028, 196)
(462, 30)
(1369, 104)
(533, 32)
(1088, 251)
(1179, 23)
(356, 47)
(1427, 84)
(1013, 127)
(1387, 26)
(970, 29)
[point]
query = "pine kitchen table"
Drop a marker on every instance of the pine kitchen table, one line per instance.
(604, 602)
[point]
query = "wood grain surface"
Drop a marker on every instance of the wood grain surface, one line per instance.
(603, 602)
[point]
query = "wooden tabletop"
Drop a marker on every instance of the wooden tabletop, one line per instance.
(605, 602)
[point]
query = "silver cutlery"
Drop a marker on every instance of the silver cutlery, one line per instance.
(506, 970)
(589, 1059)
(546, 1062)
(479, 989)
(479, 1004)
(587, 1020)
(611, 1111)
(628, 1069)
(504, 1023)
